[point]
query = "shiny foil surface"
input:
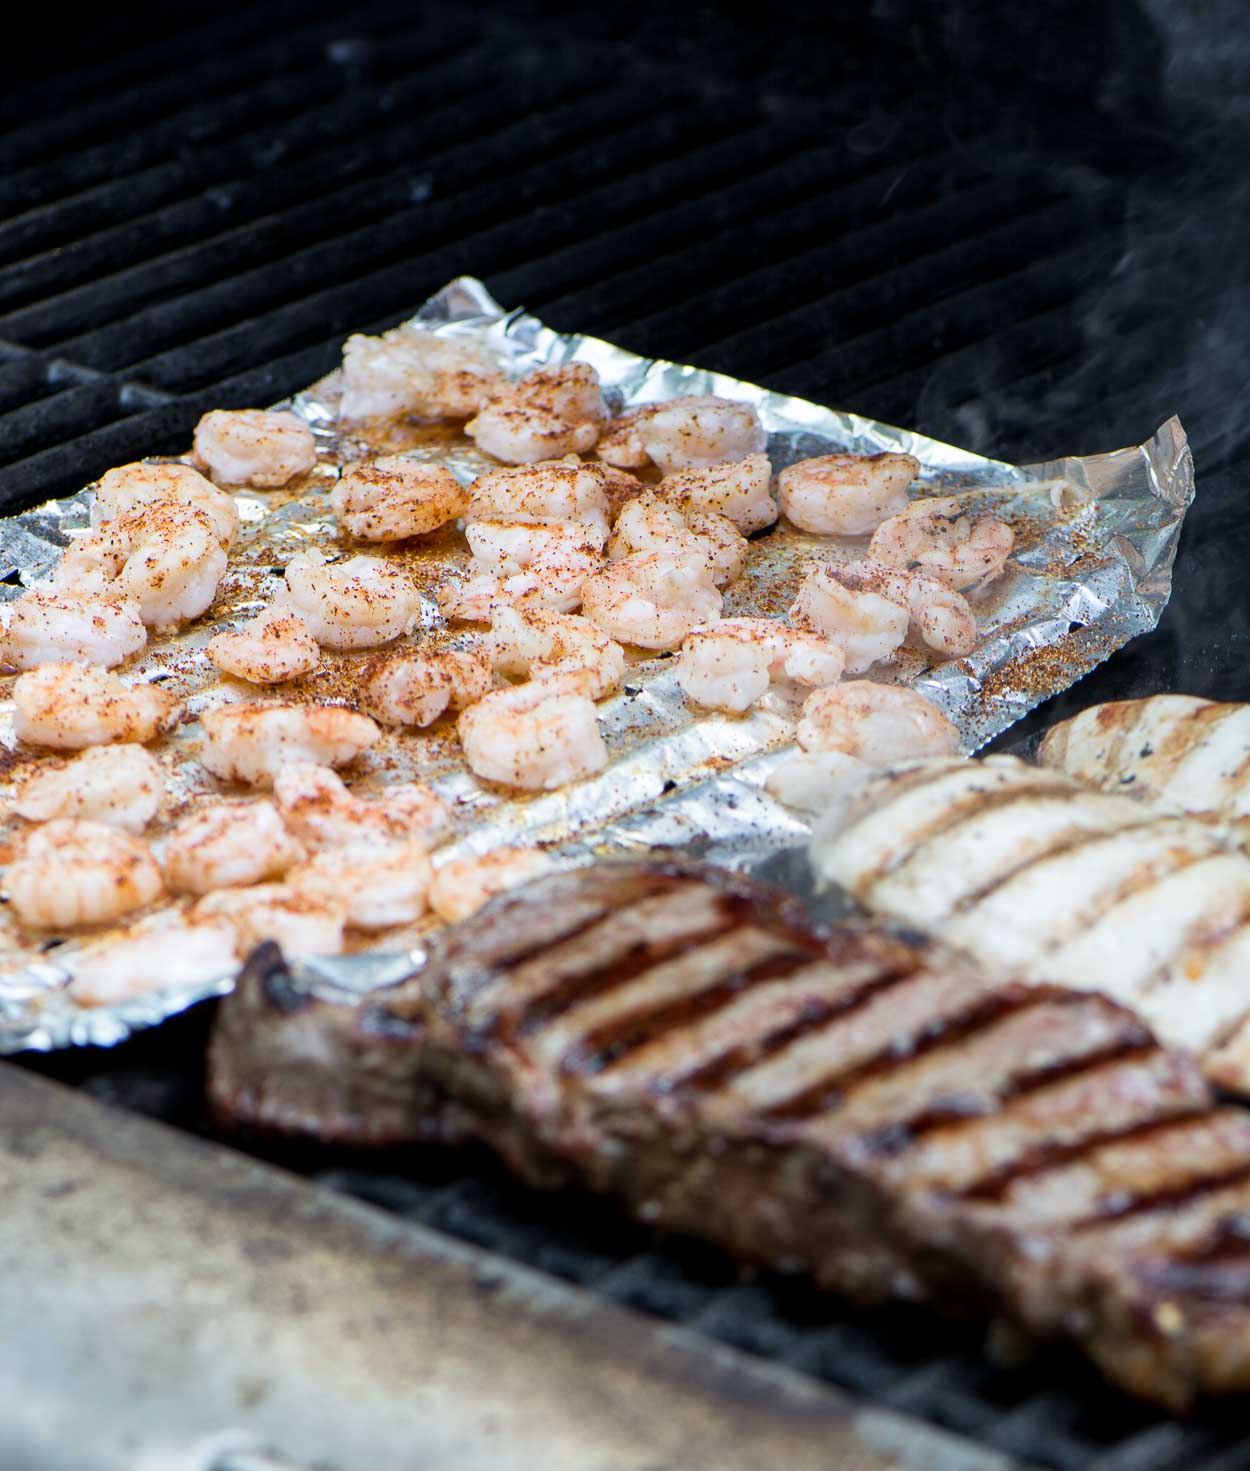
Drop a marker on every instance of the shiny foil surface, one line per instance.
(1095, 542)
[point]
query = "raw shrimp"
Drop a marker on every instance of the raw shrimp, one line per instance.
(70, 706)
(845, 495)
(410, 370)
(378, 888)
(119, 785)
(879, 723)
(303, 924)
(48, 626)
(868, 626)
(550, 493)
(174, 564)
(134, 488)
(740, 491)
(320, 810)
(415, 689)
(356, 604)
(523, 566)
(649, 524)
(70, 873)
(684, 433)
(938, 536)
(254, 447)
(462, 885)
(546, 645)
(941, 615)
(533, 736)
(549, 412)
(652, 599)
(252, 743)
(227, 844)
(728, 665)
(166, 952)
(271, 648)
(394, 497)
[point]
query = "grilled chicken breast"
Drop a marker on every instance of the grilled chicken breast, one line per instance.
(1180, 752)
(1032, 872)
(854, 1103)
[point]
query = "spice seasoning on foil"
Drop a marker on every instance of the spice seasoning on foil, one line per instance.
(1095, 541)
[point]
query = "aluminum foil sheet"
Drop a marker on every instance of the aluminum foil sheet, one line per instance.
(1095, 541)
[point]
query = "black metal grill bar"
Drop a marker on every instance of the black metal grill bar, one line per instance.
(192, 106)
(194, 199)
(919, 270)
(377, 264)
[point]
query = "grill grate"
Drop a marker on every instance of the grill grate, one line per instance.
(901, 219)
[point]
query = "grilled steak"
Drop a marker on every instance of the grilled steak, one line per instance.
(1032, 872)
(855, 1104)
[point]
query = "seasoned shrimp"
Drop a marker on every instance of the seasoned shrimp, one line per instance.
(533, 736)
(174, 564)
(652, 599)
(271, 648)
(303, 924)
(320, 810)
(878, 723)
(685, 433)
(411, 370)
(938, 536)
(462, 885)
(941, 615)
(228, 844)
(394, 497)
(415, 689)
(523, 566)
(545, 645)
(252, 743)
(378, 888)
(649, 524)
(119, 785)
(68, 707)
(134, 488)
(48, 626)
(740, 491)
(168, 951)
(868, 627)
(356, 604)
(620, 487)
(254, 447)
(845, 495)
(550, 493)
(70, 873)
(548, 413)
(728, 665)
(165, 558)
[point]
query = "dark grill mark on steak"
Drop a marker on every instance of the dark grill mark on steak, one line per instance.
(830, 1090)
(628, 965)
(1186, 1189)
(815, 1013)
(610, 1043)
(994, 1186)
